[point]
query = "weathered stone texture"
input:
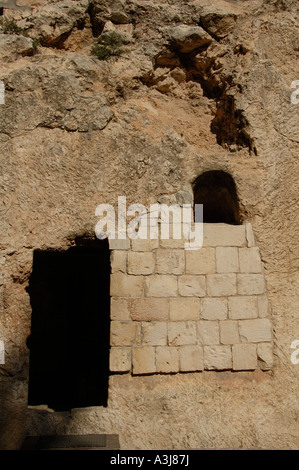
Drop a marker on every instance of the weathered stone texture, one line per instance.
(244, 356)
(214, 309)
(200, 86)
(217, 357)
(149, 309)
(191, 359)
(192, 286)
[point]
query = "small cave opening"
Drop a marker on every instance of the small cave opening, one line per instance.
(70, 326)
(217, 191)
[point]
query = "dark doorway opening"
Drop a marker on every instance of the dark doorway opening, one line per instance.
(216, 190)
(70, 326)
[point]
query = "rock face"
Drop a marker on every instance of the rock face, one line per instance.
(200, 341)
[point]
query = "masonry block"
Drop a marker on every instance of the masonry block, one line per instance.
(229, 332)
(154, 333)
(249, 235)
(184, 309)
(218, 357)
(194, 286)
(172, 243)
(255, 331)
(242, 307)
(208, 332)
(244, 357)
(263, 306)
(170, 261)
(120, 359)
(250, 260)
(224, 235)
(250, 284)
(144, 245)
(220, 285)
(214, 308)
(181, 333)
(191, 358)
(121, 244)
(120, 309)
(200, 261)
(147, 309)
(140, 263)
(122, 333)
(167, 359)
(161, 285)
(144, 360)
(227, 259)
(119, 261)
(265, 356)
(123, 285)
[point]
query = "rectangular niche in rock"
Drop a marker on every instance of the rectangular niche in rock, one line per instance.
(70, 327)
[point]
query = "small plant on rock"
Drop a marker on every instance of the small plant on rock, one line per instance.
(108, 45)
(9, 26)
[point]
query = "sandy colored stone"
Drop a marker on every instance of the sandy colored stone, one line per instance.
(250, 260)
(192, 286)
(227, 259)
(263, 306)
(200, 261)
(250, 284)
(140, 263)
(120, 359)
(167, 359)
(184, 309)
(242, 307)
(172, 243)
(255, 331)
(120, 309)
(182, 333)
(119, 244)
(229, 332)
(214, 308)
(219, 20)
(2, 352)
(265, 356)
(144, 361)
(219, 285)
(208, 332)
(154, 333)
(224, 235)
(249, 235)
(170, 261)
(191, 358)
(122, 333)
(161, 286)
(218, 357)
(187, 38)
(244, 357)
(123, 285)
(147, 309)
(119, 261)
(144, 245)
(76, 132)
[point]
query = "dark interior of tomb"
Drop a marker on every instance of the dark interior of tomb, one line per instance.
(70, 325)
(216, 190)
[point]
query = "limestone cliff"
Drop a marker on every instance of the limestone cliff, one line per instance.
(138, 98)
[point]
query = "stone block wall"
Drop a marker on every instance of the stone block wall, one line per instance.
(175, 310)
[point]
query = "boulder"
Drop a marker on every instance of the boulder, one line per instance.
(185, 38)
(218, 20)
(12, 45)
(53, 23)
